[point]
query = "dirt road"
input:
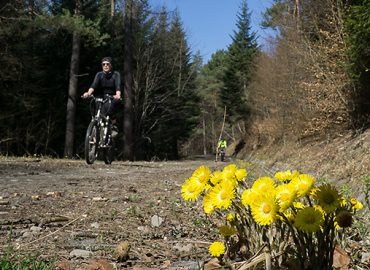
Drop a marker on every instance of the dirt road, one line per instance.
(76, 214)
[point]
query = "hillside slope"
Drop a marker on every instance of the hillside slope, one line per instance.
(344, 160)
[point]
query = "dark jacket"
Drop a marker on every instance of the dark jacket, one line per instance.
(106, 83)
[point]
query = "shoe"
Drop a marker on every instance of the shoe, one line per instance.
(114, 130)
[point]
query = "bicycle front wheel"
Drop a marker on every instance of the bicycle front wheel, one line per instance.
(109, 151)
(108, 154)
(91, 142)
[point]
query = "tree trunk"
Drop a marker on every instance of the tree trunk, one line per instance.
(72, 90)
(112, 8)
(128, 147)
(204, 136)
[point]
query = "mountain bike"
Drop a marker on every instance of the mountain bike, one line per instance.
(99, 139)
(222, 153)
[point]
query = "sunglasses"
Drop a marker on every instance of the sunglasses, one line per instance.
(105, 64)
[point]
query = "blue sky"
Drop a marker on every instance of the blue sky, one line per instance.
(209, 23)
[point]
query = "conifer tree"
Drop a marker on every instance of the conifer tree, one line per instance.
(241, 53)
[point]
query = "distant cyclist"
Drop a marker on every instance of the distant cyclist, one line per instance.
(221, 146)
(107, 82)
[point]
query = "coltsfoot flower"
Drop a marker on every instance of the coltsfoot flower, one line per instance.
(191, 189)
(285, 194)
(263, 184)
(265, 209)
(328, 198)
(216, 177)
(217, 249)
(222, 194)
(355, 204)
(309, 220)
(303, 184)
(241, 174)
(285, 176)
(202, 173)
(248, 196)
(227, 231)
(343, 218)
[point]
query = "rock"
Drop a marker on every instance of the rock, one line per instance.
(95, 225)
(99, 199)
(188, 265)
(145, 231)
(365, 258)
(184, 249)
(54, 194)
(27, 234)
(80, 253)
(156, 221)
(35, 229)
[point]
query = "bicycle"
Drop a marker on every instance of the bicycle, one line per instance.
(222, 153)
(99, 139)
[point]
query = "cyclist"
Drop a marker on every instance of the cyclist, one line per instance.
(221, 146)
(107, 82)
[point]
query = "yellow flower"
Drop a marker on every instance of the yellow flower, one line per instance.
(343, 218)
(285, 194)
(208, 207)
(328, 198)
(229, 172)
(248, 196)
(288, 214)
(309, 220)
(280, 176)
(227, 231)
(285, 176)
(263, 184)
(343, 201)
(191, 189)
(303, 184)
(355, 204)
(313, 192)
(230, 217)
(202, 173)
(216, 177)
(264, 209)
(222, 194)
(231, 167)
(241, 174)
(217, 249)
(298, 205)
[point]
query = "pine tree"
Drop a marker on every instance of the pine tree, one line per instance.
(241, 53)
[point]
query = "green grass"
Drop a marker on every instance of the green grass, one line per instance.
(26, 263)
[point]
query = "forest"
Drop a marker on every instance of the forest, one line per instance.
(311, 82)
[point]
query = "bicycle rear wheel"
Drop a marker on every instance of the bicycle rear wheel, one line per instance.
(91, 142)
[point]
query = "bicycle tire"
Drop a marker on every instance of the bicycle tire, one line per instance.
(108, 154)
(91, 142)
